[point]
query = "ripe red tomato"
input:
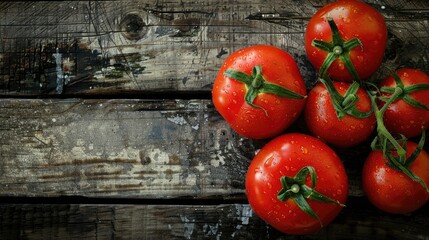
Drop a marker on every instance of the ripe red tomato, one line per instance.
(287, 155)
(401, 117)
(392, 191)
(322, 121)
(354, 19)
(267, 114)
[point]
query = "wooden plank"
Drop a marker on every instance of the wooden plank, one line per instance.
(223, 221)
(128, 148)
(125, 47)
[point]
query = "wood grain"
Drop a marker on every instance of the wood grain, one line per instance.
(107, 103)
(224, 221)
(127, 148)
(138, 47)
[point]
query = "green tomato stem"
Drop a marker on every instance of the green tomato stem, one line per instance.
(382, 131)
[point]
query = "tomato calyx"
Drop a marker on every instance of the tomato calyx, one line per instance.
(296, 189)
(344, 104)
(337, 49)
(406, 90)
(256, 83)
(395, 150)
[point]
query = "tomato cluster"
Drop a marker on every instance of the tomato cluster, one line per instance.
(296, 182)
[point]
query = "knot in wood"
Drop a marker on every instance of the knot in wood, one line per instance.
(133, 27)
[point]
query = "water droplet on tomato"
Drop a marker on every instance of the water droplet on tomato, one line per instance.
(405, 74)
(304, 150)
(339, 191)
(271, 161)
(234, 93)
(346, 20)
(234, 101)
(360, 58)
(269, 186)
(341, 66)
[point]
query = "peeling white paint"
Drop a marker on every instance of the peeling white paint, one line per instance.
(188, 228)
(179, 120)
(246, 214)
(217, 159)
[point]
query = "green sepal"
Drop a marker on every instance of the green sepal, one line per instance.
(256, 84)
(304, 206)
(406, 90)
(280, 91)
(322, 45)
(239, 76)
(337, 49)
(416, 87)
(345, 104)
(250, 96)
(417, 151)
(312, 194)
(407, 171)
(296, 189)
(413, 102)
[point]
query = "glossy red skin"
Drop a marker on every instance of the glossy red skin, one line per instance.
(323, 122)
(286, 155)
(391, 190)
(400, 117)
(277, 67)
(354, 19)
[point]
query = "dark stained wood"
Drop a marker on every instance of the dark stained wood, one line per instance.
(125, 47)
(223, 221)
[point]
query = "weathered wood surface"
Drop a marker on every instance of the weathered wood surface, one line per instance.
(127, 148)
(118, 47)
(223, 221)
(103, 134)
